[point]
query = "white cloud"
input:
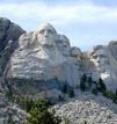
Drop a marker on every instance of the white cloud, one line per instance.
(30, 14)
(63, 15)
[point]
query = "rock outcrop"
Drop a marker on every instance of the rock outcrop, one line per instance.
(43, 57)
(87, 109)
(41, 63)
(9, 34)
(104, 60)
(11, 113)
(8, 31)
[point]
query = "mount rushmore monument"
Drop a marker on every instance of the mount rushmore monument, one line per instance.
(43, 54)
(43, 61)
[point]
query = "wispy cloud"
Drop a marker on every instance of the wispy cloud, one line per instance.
(80, 12)
(32, 13)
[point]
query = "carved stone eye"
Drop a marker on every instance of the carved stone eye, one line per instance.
(103, 56)
(41, 31)
(50, 31)
(95, 56)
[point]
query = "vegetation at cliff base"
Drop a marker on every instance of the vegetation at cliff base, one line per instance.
(87, 84)
(39, 111)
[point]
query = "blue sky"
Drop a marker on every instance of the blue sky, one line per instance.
(85, 22)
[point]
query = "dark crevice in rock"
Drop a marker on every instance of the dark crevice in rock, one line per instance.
(4, 38)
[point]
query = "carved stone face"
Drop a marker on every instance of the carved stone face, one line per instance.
(100, 58)
(63, 45)
(46, 35)
(75, 52)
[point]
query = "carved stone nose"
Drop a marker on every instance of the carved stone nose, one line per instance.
(46, 33)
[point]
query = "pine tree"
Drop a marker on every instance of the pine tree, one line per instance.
(102, 85)
(83, 82)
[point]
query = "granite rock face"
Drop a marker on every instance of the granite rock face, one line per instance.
(87, 109)
(40, 63)
(8, 31)
(8, 111)
(45, 55)
(9, 34)
(104, 60)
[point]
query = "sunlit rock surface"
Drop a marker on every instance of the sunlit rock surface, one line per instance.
(87, 108)
(45, 55)
(9, 34)
(104, 59)
(40, 63)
